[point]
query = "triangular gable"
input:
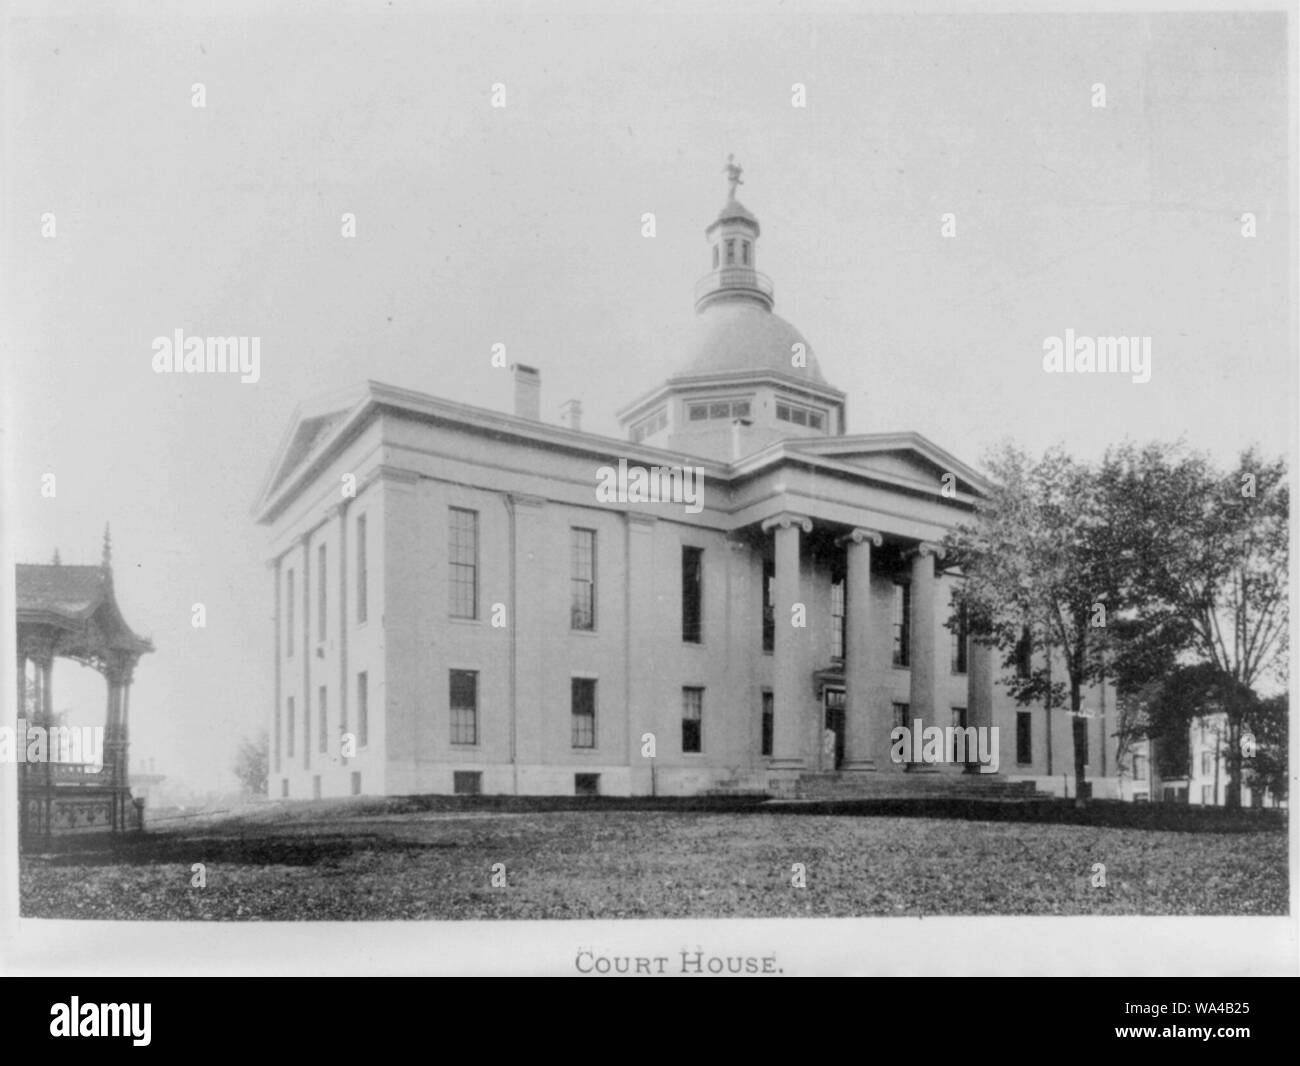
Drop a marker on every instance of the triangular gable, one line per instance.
(897, 456)
(310, 427)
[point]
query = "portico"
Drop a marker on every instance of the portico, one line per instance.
(807, 673)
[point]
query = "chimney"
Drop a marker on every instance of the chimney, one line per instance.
(571, 415)
(739, 437)
(528, 392)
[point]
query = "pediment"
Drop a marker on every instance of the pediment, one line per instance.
(309, 430)
(898, 457)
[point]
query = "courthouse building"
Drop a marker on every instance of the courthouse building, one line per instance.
(461, 608)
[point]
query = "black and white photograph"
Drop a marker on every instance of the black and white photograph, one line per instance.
(648, 489)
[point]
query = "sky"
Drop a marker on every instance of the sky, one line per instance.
(523, 225)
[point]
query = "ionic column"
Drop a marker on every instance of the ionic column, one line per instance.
(979, 687)
(858, 693)
(788, 689)
(921, 649)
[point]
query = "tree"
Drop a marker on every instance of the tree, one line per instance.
(1266, 723)
(251, 764)
(1207, 571)
(1034, 560)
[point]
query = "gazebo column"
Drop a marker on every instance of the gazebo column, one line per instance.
(921, 650)
(112, 763)
(789, 690)
(22, 684)
(45, 717)
(858, 675)
(124, 751)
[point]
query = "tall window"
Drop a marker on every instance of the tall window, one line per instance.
(462, 554)
(363, 709)
(1025, 654)
(324, 740)
(692, 719)
(321, 585)
(464, 706)
(1139, 768)
(731, 250)
(837, 620)
(765, 747)
(960, 644)
(306, 731)
(901, 713)
(582, 700)
(288, 613)
(363, 605)
(1024, 737)
(902, 623)
(744, 252)
(582, 581)
(692, 594)
(769, 604)
(276, 765)
(292, 723)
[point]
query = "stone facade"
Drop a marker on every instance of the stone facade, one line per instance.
(498, 578)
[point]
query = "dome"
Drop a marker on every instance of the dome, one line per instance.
(736, 335)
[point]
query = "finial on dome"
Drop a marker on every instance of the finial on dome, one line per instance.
(733, 171)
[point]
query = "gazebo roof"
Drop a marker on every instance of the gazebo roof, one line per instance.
(79, 600)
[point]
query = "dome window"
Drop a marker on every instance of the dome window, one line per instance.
(731, 251)
(800, 416)
(744, 253)
(717, 410)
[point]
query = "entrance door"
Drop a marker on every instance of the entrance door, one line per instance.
(833, 734)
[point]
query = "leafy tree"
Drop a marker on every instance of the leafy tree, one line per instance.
(251, 764)
(1035, 560)
(1206, 573)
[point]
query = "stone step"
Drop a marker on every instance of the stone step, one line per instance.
(913, 786)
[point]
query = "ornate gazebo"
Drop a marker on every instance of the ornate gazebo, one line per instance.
(71, 611)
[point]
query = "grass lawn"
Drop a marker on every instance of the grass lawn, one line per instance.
(412, 859)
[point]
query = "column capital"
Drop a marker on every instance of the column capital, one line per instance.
(861, 536)
(785, 520)
(927, 547)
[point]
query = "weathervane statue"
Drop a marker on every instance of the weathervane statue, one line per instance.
(732, 170)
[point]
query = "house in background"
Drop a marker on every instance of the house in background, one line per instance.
(475, 601)
(1201, 777)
